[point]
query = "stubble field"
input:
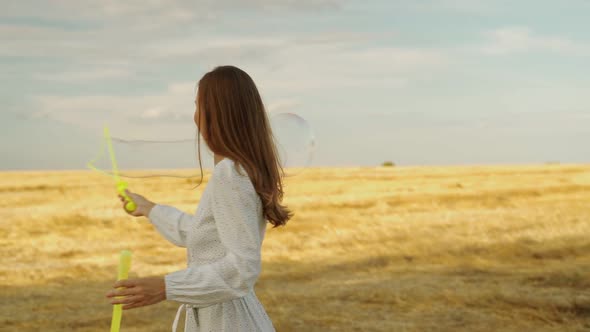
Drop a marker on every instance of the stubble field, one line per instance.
(471, 248)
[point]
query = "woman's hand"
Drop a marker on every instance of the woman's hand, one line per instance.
(143, 205)
(138, 292)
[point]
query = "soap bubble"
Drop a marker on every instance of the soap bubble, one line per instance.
(294, 140)
(292, 136)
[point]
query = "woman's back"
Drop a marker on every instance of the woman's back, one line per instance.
(223, 241)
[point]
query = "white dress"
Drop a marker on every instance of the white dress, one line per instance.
(223, 241)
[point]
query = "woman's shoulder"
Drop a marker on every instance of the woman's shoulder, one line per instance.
(228, 180)
(227, 170)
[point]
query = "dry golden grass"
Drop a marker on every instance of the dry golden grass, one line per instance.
(370, 249)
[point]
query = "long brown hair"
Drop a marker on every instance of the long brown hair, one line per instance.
(237, 127)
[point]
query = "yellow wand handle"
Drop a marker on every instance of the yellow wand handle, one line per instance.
(130, 205)
(124, 266)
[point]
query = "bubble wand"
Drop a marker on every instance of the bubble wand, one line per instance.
(121, 185)
(124, 265)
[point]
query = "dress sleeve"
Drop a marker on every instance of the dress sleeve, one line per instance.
(172, 223)
(237, 211)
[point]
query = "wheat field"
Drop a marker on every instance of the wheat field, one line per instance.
(463, 248)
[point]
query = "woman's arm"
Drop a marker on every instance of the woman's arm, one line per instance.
(172, 223)
(236, 210)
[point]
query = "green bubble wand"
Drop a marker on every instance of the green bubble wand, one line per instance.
(130, 206)
(123, 273)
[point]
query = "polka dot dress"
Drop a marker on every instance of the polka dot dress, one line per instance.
(223, 241)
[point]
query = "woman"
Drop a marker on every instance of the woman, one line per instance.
(224, 237)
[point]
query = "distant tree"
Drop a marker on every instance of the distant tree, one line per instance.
(388, 164)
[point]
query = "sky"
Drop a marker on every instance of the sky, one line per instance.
(424, 82)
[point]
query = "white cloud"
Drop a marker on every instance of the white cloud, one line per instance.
(287, 76)
(221, 49)
(163, 11)
(511, 40)
(332, 70)
(77, 76)
(461, 6)
(136, 31)
(288, 69)
(174, 106)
